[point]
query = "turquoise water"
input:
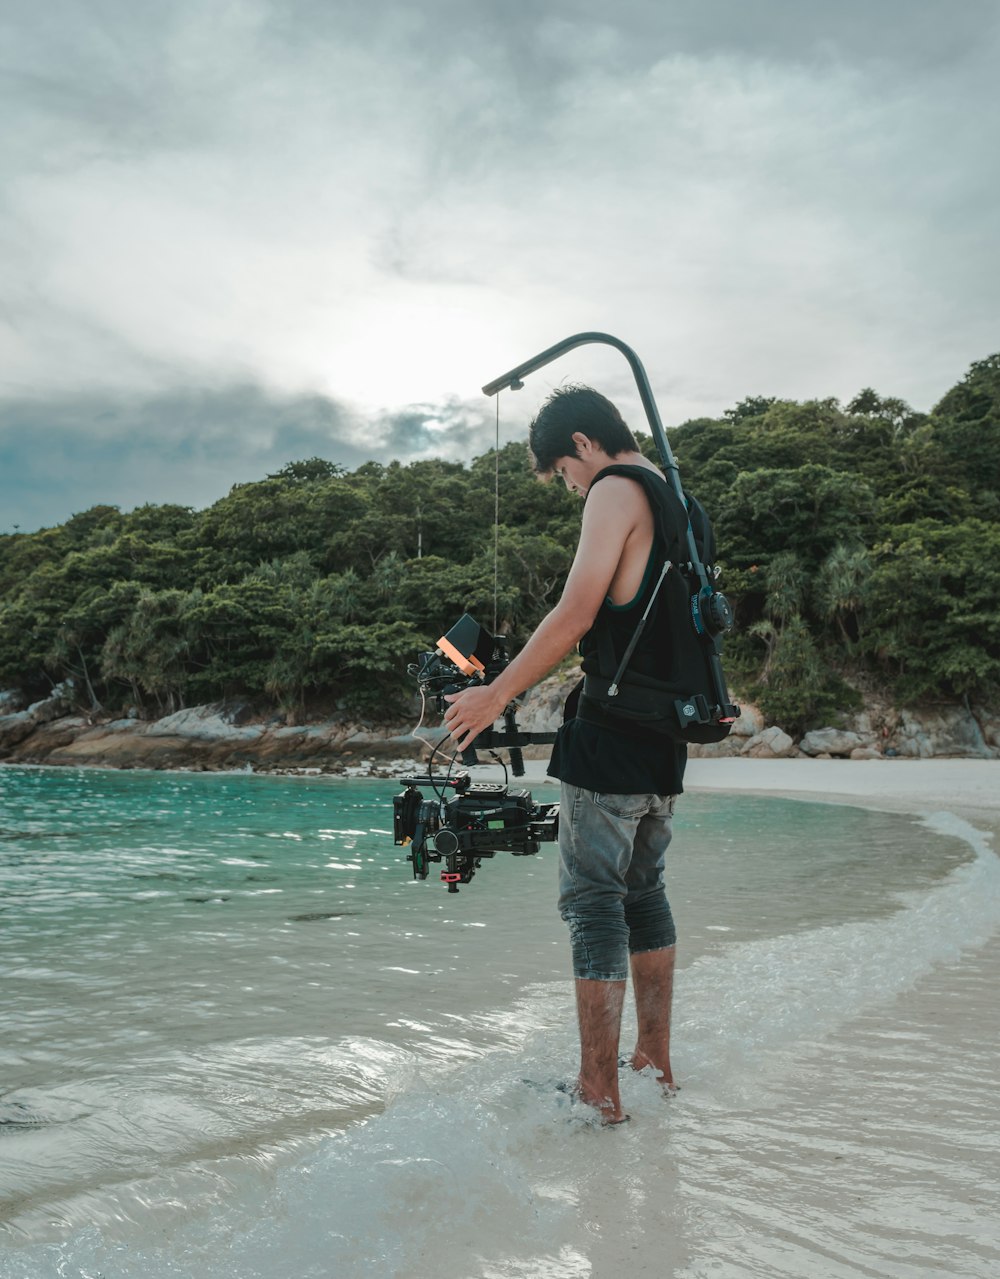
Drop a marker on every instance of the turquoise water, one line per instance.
(229, 1012)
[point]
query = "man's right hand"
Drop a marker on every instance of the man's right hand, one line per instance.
(472, 710)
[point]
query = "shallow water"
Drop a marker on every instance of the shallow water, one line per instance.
(237, 1038)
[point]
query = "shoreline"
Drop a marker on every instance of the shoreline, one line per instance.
(968, 788)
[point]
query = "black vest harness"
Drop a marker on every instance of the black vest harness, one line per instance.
(648, 667)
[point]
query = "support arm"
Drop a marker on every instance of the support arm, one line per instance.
(513, 380)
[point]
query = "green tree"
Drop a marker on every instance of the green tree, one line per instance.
(932, 604)
(810, 507)
(787, 581)
(366, 665)
(752, 406)
(309, 471)
(841, 589)
(276, 517)
(149, 652)
(796, 688)
(967, 430)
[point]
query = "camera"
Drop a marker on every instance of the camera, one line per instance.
(467, 821)
(479, 820)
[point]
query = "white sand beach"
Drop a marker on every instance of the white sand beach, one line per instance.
(968, 788)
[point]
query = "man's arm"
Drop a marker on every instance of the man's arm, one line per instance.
(609, 516)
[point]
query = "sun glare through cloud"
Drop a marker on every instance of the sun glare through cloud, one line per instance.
(379, 210)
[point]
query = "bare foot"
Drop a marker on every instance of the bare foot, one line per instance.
(639, 1061)
(607, 1107)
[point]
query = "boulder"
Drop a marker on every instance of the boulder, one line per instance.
(924, 733)
(204, 723)
(15, 728)
(772, 743)
(749, 724)
(11, 700)
(831, 741)
(989, 723)
(726, 749)
(865, 752)
(48, 709)
(541, 709)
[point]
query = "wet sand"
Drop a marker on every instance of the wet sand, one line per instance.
(947, 1009)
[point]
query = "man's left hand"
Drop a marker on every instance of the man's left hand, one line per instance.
(472, 710)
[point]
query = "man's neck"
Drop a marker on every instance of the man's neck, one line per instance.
(632, 459)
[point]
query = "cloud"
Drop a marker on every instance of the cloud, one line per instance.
(374, 207)
(58, 457)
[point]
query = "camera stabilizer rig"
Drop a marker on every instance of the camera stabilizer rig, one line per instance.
(711, 614)
(478, 819)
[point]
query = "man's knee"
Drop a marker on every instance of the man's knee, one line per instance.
(650, 923)
(599, 941)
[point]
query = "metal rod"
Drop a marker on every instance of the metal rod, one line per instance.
(581, 339)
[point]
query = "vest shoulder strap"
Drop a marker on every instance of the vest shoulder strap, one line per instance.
(669, 513)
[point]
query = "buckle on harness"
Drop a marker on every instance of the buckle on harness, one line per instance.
(693, 710)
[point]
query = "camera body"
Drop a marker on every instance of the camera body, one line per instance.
(466, 821)
(478, 820)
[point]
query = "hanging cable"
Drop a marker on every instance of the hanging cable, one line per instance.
(434, 751)
(496, 521)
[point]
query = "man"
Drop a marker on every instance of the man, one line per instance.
(618, 784)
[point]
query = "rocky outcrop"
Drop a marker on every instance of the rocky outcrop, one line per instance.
(202, 737)
(948, 730)
(874, 733)
(232, 736)
(18, 725)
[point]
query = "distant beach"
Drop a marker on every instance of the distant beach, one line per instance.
(969, 788)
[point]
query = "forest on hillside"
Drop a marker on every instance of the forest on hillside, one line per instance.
(860, 546)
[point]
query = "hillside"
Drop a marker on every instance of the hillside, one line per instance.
(860, 546)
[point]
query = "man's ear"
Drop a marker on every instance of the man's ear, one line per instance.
(584, 444)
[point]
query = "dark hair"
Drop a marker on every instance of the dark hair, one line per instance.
(576, 408)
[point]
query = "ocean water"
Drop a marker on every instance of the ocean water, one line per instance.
(238, 1039)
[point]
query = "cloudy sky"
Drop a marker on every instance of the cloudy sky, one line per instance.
(238, 232)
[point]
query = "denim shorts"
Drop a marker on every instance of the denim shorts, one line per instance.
(612, 850)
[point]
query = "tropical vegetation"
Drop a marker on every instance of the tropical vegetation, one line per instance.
(860, 545)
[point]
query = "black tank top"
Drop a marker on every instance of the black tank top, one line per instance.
(615, 760)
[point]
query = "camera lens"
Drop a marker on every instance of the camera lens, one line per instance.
(446, 842)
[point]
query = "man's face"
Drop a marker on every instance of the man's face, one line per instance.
(574, 473)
